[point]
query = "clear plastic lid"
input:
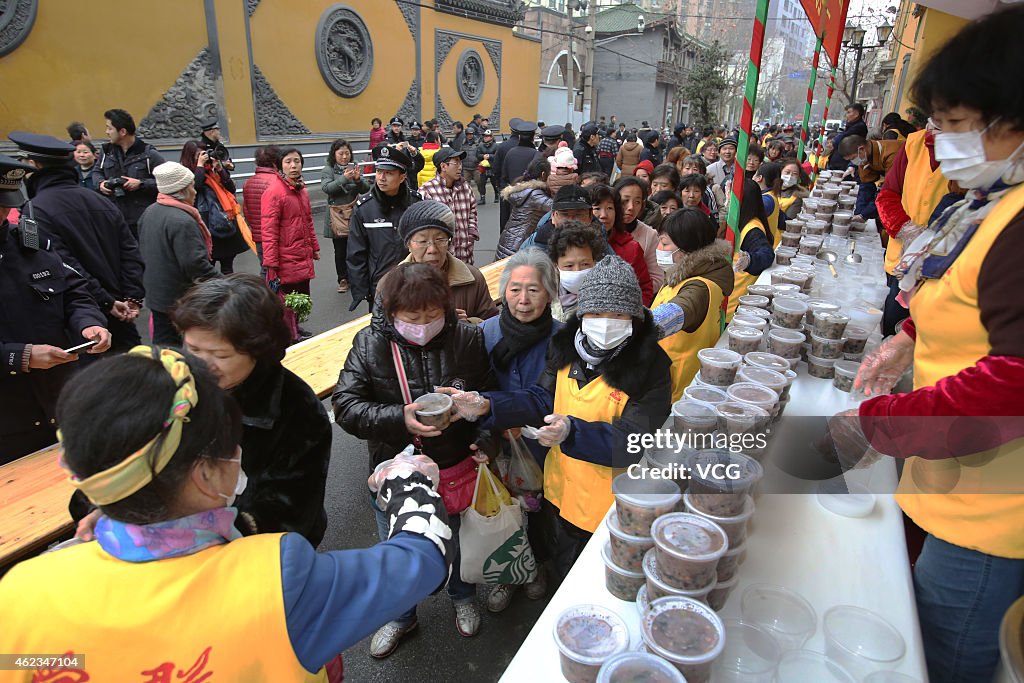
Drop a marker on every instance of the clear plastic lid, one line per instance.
(645, 492)
(770, 378)
(589, 634)
(650, 568)
(847, 368)
(707, 395)
(719, 357)
(434, 403)
(755, 311)
(833, 316)
(683, 630)
(689, 537)
(784, 334)
(638, 666)
(756, 394)
(743, 320)
(743, 332)
(743, 412)
(725, 470)
(744, 515)
(753, 300)
(789, 304)
(762, 359)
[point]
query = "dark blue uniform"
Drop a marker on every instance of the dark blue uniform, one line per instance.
(42, 301)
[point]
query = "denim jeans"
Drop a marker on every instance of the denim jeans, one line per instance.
(962, 596)
(458, 590)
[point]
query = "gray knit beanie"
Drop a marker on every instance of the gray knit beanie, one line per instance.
(610, 287)
(424, 215)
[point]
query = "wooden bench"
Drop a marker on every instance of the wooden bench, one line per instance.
(34, 490)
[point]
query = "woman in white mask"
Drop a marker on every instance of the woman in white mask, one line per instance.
(414, 344)
(698, 276)
(606, 379)
(574, 248)
(793, 193)
(962, 481)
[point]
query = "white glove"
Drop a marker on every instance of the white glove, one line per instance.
(741, 262)
(910, 232)
(469, 405)
(401, 466)
(556, 431)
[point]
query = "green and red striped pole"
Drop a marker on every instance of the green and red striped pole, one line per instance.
(747, 119)
(824, 119)
(810, 95)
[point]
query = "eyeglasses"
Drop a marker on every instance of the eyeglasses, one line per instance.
(439, 242)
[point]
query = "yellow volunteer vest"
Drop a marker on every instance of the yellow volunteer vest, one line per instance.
(219, 611)
(923, 189)
(682, 347)
(582, 491)
(773, 219)
(784, 204)
(743, 278)
(942, 496)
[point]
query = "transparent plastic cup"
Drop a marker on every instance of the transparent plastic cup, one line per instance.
(718, 366)
(750, 654)
(638, 502)
(814, 306)
(735, 526)
(771, 361)
(745, 320)
(744, 339)
(822, 368)
(721, 592)
(741, 418)
(775, 381)
(730, 563)
(642, 601)
(753, 311)
(840, 229)
(787, 616)
(720, 481)
(686, 633)
(657, 587)
(845, 373)
(620, 582)
(705, 394)
(830, 324)
(823, 347)
(803, 666)
(762, 290)
(810, 245)
(790, 239)
(754, 394)
(861, 641)
(788, 312)
(688, 548)
(867, 317)
(587, 636)
(841, 217)
(627, 551)
(785, 342)
(435, 410)
(630, 667)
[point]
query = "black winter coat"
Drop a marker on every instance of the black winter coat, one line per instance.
(515, 162)
(586, 158)
(368, 400)
(529, 201)
(43, 302)
(286, 449)
(138, 162)
(89, 233)
(490, 148)
(374, 246)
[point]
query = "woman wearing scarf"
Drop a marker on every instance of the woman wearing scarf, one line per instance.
(151, 439)
(575, 248)
(215, 199)
(962, 480)
(176, 247)
(606, 378)
(517, 342)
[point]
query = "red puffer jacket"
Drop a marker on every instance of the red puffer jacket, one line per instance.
(251, 192)
(289, 241)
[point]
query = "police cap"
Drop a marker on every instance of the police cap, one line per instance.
(210, 124)
(524, 127)
(386, 156)
(394, 120)
(12, 173)
(42, 147)
(553, 132)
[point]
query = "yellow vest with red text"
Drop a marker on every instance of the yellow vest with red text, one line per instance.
(582, 491)
(743, 278)
(923, 189)
(218, 612)
(682, 347)
(975, 501)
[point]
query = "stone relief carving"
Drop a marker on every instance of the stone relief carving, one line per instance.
(16, 19)
(184, 106)
(250, 6)
(409, 111)
(444, 41)
(411, 14)
(344, 51)
(469, 77)
(505, 12)
(273, 118)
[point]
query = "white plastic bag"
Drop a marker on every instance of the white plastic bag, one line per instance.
(495, 549)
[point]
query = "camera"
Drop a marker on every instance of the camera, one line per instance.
(117, 186)
(218, 153)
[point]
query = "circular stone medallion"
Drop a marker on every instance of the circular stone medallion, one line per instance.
(344, 51)
(469, 76)
(16, 19)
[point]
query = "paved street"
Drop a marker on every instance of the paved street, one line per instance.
(435, 652)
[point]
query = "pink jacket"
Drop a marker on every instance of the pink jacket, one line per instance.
(252, 191)
(289, 240)
(377, 136)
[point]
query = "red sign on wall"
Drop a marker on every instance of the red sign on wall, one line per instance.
(828, 16)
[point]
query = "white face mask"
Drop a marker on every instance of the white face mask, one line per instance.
(859, 161)
(665, 258)
(961, 157)
(240, 483)
(789, 180)
(571, 279)
(607, 333)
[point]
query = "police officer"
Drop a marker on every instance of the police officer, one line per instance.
(514, 161)
(550, 137)
(395, 134)
(374, 246)
(45, 308)
(209, 140)
(88, 232)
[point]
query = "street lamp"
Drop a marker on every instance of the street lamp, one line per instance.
(853, 39)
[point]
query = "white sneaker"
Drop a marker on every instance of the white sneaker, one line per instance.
(536, 589)
(387, 637)
(467, 618)
(500, 597)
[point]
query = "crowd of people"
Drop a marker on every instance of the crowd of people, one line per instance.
(620, 268)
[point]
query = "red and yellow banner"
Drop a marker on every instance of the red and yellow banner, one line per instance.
(828, 16)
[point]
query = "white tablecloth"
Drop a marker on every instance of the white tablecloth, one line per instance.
(793, 542)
